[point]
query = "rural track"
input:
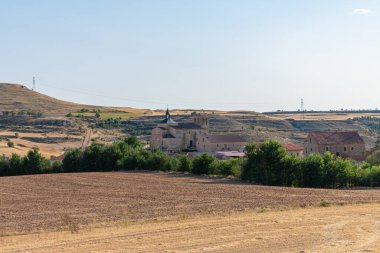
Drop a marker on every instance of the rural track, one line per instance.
(87, 139)
(351, 228)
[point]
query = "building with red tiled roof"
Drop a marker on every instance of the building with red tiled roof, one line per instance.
(346, 144)
(293, 149)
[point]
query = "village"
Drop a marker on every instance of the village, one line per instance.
(194, 138)
(195, 126)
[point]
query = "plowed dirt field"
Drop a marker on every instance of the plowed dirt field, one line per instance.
(53, 202)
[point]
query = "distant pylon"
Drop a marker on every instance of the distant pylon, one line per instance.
(302, 109)
(34, 83)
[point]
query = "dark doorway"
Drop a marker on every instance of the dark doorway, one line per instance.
(337, 154)
(191, 143)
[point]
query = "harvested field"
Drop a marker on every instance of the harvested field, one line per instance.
(334, 229)
(46, 202)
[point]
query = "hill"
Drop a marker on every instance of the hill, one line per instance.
(17, 97)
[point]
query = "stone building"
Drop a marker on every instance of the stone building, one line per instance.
(293, 149)
(172, 136)
(347, 144)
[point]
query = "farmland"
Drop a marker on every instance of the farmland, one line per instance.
(333, 229)
(40, 202)
(116, 207)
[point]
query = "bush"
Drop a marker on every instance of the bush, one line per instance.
(231, 167)
(10, 144)
(374, 158)
(57, 167)
(159, 161)
(185, 164)
(202, 164)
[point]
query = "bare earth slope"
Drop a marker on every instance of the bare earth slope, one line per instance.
(15, 97)
(44, 202)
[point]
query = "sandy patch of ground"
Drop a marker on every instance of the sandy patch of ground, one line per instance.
(24, 143)
(332, 229)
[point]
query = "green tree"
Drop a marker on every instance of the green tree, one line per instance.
(312, 168)
(374, 158)
(202, 164)
(72, 162)
(94, 157)
(35, 163)
(265, 164)
(133, 142)
(186, 164)
(16, 166)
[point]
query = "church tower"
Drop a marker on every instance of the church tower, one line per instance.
(201, 119)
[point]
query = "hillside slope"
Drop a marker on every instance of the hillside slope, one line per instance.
(16, 97)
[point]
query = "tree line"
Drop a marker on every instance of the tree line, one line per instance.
(266, 164)
(270, 164)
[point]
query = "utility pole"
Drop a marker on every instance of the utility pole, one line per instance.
(302, 109)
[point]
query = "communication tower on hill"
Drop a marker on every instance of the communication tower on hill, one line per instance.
(34, 83)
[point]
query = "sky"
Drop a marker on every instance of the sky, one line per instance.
(201, 54)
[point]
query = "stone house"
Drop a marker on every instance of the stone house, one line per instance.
(214, 143)
(294, 149)
(347, 144)
(172, 136)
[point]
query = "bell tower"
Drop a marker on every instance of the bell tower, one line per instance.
(201, 119)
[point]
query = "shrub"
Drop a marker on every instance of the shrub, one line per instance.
(202, 164)
(159, 161)
(57, 167)
(185, 164)
(374, 158)
(231, 167)
(10, 144)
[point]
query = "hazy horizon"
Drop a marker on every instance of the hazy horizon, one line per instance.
(227, 55)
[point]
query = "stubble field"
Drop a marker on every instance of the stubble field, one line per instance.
(50, 202)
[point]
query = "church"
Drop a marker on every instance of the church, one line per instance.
(172, 136)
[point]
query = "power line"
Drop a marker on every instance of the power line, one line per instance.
(160, 101)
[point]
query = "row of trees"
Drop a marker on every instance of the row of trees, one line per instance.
(32, 163)
(130, 155)
(267, 164)
(22, 113)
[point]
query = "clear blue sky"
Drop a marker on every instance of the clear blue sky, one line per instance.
(258, 55)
